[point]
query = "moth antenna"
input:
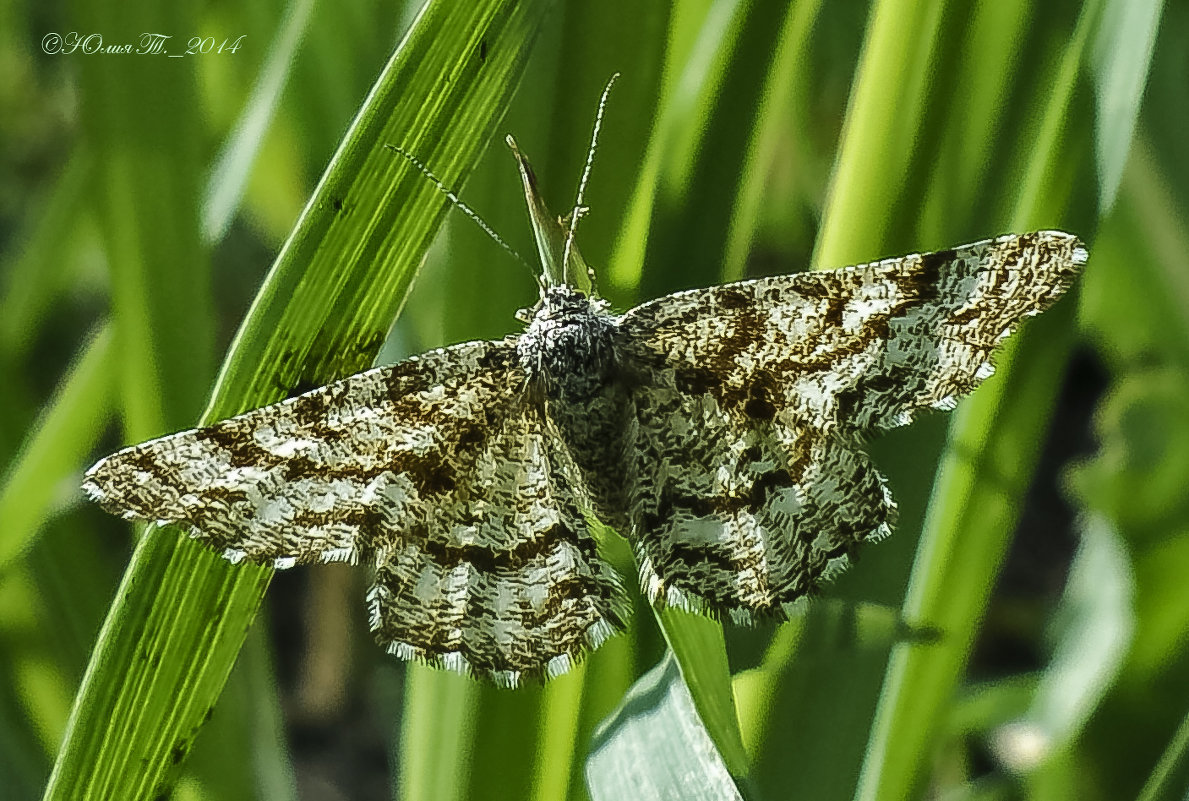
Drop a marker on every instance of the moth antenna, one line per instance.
(463, 207)
(579, 209)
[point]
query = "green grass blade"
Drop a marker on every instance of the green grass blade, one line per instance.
(557, 758)
(705, 147)
(1045, 174)
(181, 612)
(57, 447)
(977, 499)
(147, 171)
(35, 275)
(783, 98)
(229, 177)
(974, 124)
(697, 37)
(434, 757)
(965, 535)
(1121, 58)
(701, 653)
(1171, 773)
(887, 109)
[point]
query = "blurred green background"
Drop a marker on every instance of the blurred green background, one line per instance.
(1023, 633)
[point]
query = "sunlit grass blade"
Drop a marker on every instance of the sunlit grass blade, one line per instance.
(229, 176)
(964, 147)
(701, 654)
(435, 750)
(758, 690)
(985, 472)
(54, 451)
(680, 222)
(1121, 57)
(181, 612)
(887, 108)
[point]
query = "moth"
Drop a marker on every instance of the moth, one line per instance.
(718, 429)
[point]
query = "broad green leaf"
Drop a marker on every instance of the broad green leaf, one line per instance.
(654, 746)
(181, 612)
(1093, 629)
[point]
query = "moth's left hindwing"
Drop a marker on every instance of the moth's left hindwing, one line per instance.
(747, 479)
(434, 471)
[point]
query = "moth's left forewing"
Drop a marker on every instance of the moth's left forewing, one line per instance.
(314, 477)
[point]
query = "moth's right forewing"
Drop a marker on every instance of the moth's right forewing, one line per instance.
(862, 347)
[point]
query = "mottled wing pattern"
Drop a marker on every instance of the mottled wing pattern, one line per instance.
(506, 578)
(742, 515)
(295, 482)
(389, 467)
(748, 484)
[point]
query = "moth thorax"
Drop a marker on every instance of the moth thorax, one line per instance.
(568, 349)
